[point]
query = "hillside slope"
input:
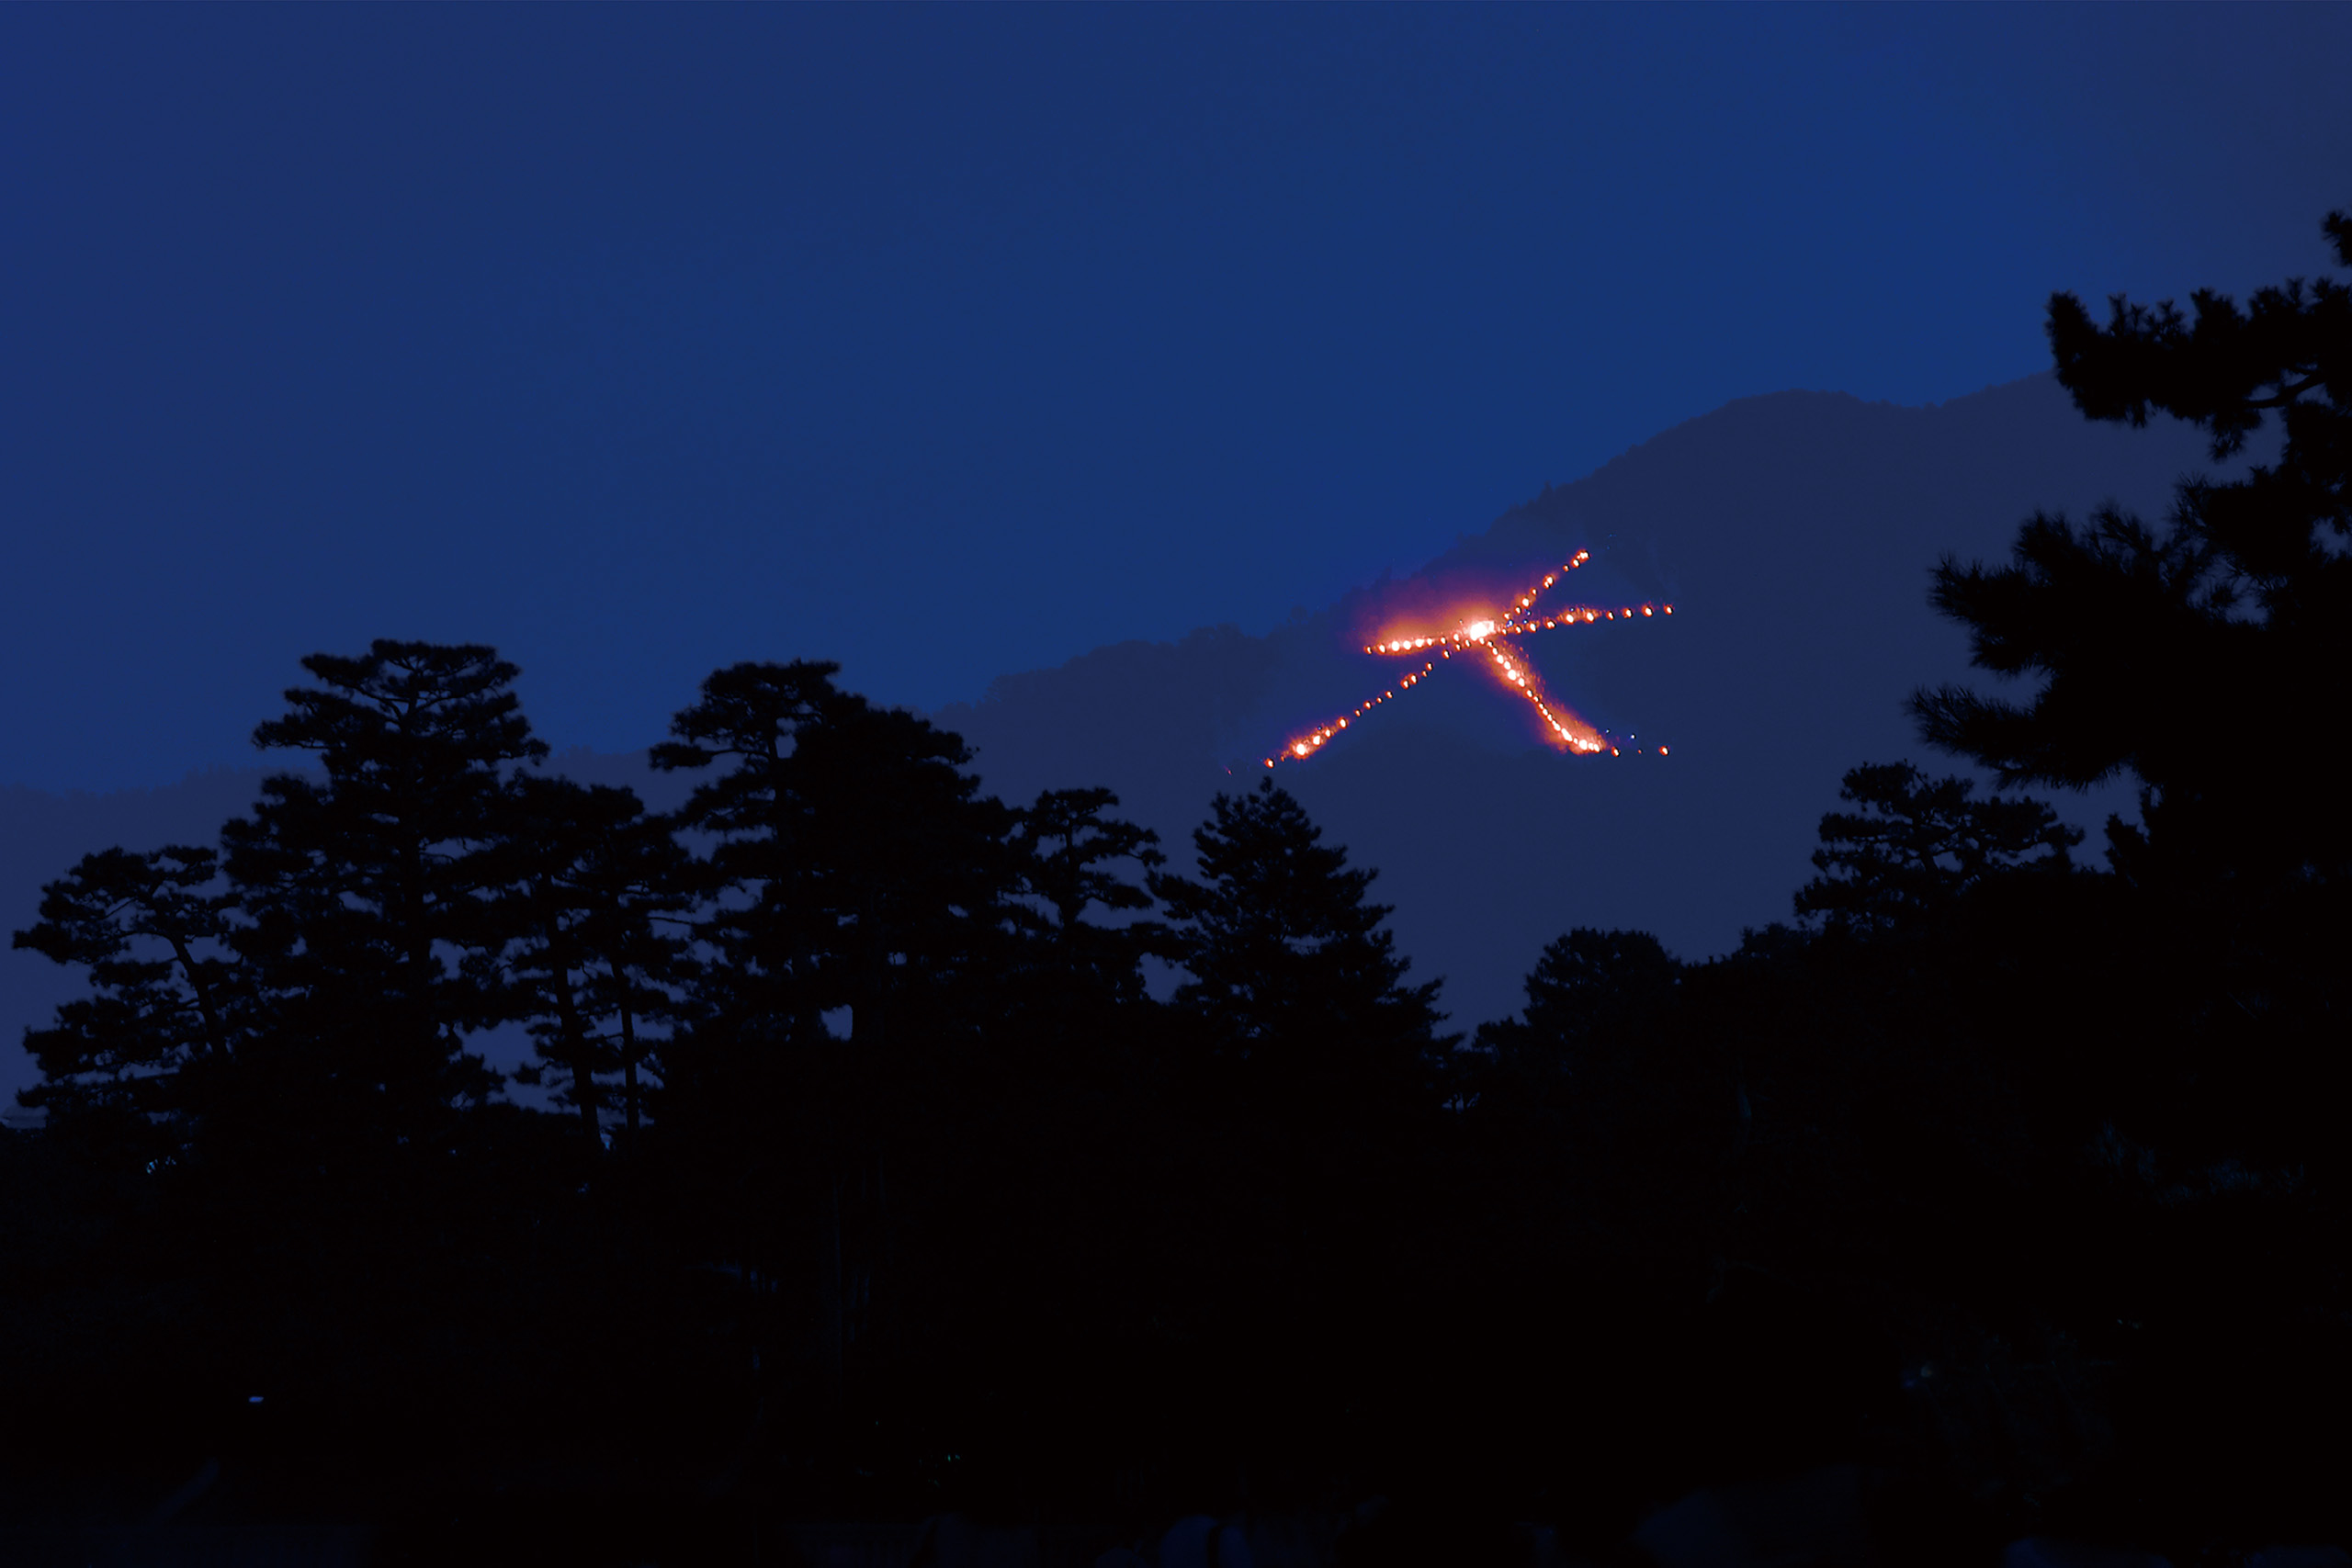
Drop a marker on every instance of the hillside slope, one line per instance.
(1793, 532)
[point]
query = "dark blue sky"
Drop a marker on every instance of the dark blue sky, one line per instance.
(953, 342)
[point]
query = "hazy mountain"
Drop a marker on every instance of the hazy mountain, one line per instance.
(1794, 534)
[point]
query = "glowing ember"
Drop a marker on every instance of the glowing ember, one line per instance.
(1485, 633)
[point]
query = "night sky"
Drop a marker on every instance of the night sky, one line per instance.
(949, 343)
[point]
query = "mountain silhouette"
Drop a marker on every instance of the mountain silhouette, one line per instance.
(1793, 532)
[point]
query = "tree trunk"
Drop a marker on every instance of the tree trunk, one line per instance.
(628, 1062)
(829, 1281)
(575, 1053)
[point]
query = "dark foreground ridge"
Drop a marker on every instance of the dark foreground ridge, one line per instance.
(1992, 1210)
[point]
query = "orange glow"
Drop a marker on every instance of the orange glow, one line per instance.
(1473, 626)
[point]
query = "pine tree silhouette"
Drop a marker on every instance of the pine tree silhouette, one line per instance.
(1292, 977)
(362, 889)
(603, 892)
(2209, 657)
(167, 998)
(1914, 846)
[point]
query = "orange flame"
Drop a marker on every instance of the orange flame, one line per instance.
(1480, 630)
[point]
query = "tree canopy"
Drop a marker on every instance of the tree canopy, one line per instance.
(372, 925)
(880, 1173)
(2207, 656)
(1913, 847)
(1288, 966)
(166, 1002)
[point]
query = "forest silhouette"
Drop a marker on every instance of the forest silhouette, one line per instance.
(877, 1178)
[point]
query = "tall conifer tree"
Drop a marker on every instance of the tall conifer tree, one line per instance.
(2212, 658)
(371, 890)
(161, 1026)
(604, 893)
(1291, 974)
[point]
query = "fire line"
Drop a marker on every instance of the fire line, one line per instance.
(1489, 636)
